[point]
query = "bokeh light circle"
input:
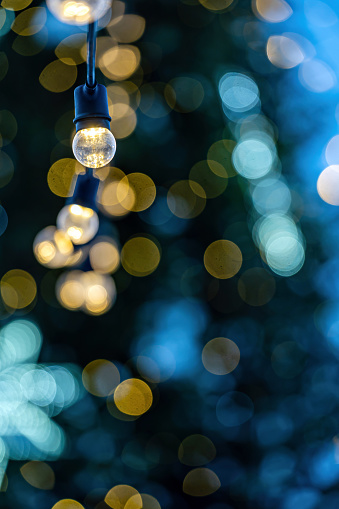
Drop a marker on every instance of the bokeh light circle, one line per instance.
(133, 397)
(201, 482)
(104, 256)
(220, 356)
(18, 289)
(142, 501)
(142, 188)
(285, 255)
(38, 474)
(186, 199)
(253, 158)
(78, 12)
(118, 496)
(58, 77)
(68, 503)
(223, 259)
(140, 256)
(328, 184)
(100, 377)
(238, 92)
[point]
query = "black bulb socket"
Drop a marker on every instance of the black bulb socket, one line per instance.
(85, 191)
(91, 107)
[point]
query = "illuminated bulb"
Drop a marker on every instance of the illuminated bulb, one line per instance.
(78, 12)
(70, 291)
(94, 147)
(78, 222)
(74, 9)
(92, 292)
(53, 248)
(100, 293)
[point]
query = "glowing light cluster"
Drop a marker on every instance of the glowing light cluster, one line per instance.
(254, 157)
(30, 394)
(128, 497)
(75, 238)
(90, 291)
(78, 12)
(78, 222)
(53, 248)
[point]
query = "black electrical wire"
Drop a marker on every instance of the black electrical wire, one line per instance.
(91, 50)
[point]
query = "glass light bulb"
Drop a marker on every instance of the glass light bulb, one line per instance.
(53, 248)
(94, 147)
(79, 223)
(78, 12)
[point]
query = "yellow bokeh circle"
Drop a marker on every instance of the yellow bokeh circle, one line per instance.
(69, 49)
(221, 152)
(142, 501)
(223, 259)
(133, 397)
(140, 256)
(201, 482)
(67, 503)
(212, 182)
(18, 289)
(186, 199)
(30, 22)
(119, 62)
(216, 5)
(15, 5)
(60, 177)
(38, 474)
(142, 188)
(118, 496)
(58, 77)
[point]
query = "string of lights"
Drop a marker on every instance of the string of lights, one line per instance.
(77, 223)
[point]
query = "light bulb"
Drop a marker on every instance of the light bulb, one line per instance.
(70, 291)
(89, 291)
(53, 248)
(78, 12)
(100, 293)
(78, 222)
(94, 147)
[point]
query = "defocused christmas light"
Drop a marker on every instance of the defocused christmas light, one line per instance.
(78, 12)
(52, 247)
(79, 223)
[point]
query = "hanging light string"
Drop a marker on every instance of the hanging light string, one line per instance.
(68, 244)
(91, 51)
